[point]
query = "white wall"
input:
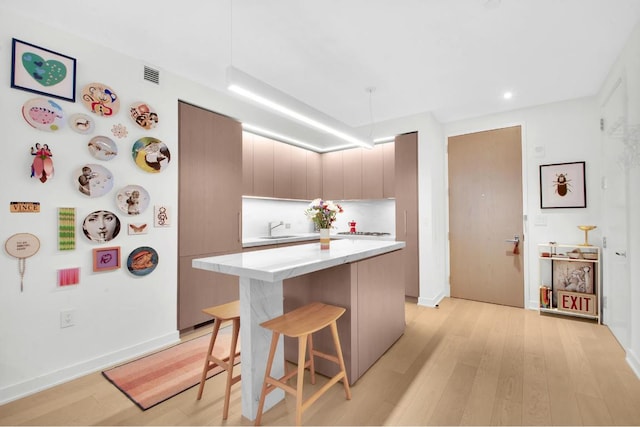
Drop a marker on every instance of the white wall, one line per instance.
(566, 132)
(118, 315)
(431, 192)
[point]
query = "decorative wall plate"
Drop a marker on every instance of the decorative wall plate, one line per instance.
(102, 147)
(22, 246)
(100, 99)
(132, 199)
(81, 123)
(43, 114)
(143, 115)
(142, 261)
(150, 154)
(94, 180)
(101, 226)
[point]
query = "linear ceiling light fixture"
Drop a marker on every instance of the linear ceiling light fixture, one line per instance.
(251, 88)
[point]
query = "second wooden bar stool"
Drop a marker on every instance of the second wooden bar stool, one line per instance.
(301, 323)
(222, 313)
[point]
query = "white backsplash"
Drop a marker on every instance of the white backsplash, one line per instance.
(370, 215)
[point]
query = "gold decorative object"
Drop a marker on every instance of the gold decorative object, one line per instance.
(586, 229)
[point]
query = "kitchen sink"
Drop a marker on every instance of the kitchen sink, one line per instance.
(277, 237)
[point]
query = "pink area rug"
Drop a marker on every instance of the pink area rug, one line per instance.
(159, 376)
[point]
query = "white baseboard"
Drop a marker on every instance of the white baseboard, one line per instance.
(43, 382)
(430, 302)
(634, 361)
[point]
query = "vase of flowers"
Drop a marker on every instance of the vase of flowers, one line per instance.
(323, 213)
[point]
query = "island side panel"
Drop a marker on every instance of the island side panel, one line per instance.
(336, 286)
(381, 299)
(372, 290)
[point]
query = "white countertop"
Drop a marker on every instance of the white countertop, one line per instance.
(276, 264)
(251, 242)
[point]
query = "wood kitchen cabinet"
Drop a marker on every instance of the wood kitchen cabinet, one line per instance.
(373, 173)
(406, 193)
(210, 205)
(282, 170)
(332, 176)
(263, 166)
(352, 173)
(314, 175)
(388, 169)
(298, 173)
(247, 164)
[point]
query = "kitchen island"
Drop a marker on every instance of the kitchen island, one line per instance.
(364, 276)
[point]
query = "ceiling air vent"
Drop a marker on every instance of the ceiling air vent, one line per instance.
(151, 75)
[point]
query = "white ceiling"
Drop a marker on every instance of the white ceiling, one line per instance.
(454, 58)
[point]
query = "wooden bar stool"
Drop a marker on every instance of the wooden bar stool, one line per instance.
(301, 323)
(222, 313)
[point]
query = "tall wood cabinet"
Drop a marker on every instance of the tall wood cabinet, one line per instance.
(406, 191)
(210, 205)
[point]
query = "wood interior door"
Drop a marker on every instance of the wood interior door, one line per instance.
(485, 210)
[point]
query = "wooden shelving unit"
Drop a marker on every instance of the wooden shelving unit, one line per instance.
(570, 281)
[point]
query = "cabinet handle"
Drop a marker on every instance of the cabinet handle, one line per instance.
(405, 222)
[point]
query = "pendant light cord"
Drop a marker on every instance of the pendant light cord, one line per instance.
(370, 89)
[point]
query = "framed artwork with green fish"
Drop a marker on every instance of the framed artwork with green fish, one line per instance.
(39, 70)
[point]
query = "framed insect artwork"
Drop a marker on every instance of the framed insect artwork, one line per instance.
(39, 70)
(562, 185)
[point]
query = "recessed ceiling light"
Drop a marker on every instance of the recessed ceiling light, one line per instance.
(507, 95)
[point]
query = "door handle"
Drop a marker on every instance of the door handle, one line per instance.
(516, 243)
(623, 253)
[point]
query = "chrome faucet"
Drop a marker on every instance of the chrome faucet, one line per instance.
(272, 226)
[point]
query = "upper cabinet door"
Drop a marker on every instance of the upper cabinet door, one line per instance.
(352, 172)
(263, 166)
(314, 175)
(298, 173)
(372, 173)
(247, 164)
(332, 176)
(282, 170)
(389, 170)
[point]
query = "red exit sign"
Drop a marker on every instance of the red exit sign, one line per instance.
(577, 302)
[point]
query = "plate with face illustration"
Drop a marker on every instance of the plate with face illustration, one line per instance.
(132, 199)
(101, 226)
(94, 180)
(43, 114)
(81, 123)
(143, 115)
(100, 99)
(102, 147)
(151, 154)
(142, 261)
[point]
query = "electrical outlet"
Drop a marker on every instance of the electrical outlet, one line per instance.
(67, 318)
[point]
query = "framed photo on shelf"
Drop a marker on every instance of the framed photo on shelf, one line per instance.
(39, 70)
(572, 276)
(562, 185)
(105, 259)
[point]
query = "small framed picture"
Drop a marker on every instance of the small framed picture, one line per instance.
(562, 185)
(39, 70)
(105, 259)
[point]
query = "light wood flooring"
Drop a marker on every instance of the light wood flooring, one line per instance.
(464, 363)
